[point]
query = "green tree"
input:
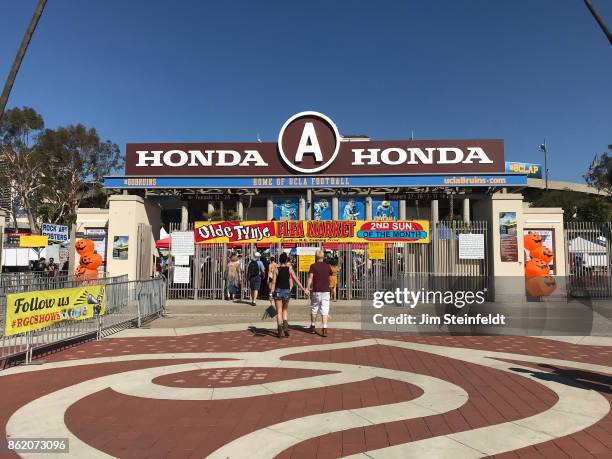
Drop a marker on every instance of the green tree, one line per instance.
(22, 172)
(49, 171)
(599, 174)
(576, 206)
(76, 161)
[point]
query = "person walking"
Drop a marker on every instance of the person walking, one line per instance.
(270, 275)
(282, 278)
(254, 273)
(333, 280)
(232, 277)
(319, 277)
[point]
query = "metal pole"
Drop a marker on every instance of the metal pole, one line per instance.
(546, 164)
(544, 149)
(138, 290)
(28, 347)
(20, 54)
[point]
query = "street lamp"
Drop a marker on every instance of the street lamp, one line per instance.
(544, 150)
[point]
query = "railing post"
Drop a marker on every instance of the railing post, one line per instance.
(28, 348)
(99, 333)
(138, 289)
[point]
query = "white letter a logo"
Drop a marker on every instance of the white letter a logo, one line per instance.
(308, 144)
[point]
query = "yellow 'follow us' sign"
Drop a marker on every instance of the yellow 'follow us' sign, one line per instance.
(36, 310)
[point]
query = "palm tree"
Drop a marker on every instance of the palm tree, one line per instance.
(19, 57)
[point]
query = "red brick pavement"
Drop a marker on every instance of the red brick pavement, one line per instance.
(594, 441)
(137, 427)
(241, 341)
(21, 388)
(131, 427)
(494, 397)
(232, 377)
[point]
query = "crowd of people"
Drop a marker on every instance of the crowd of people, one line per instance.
(277, 280)
(44, 268)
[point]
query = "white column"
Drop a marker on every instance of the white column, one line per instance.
(240, 209)
(269, 209)
(368, 207)
(402, 209)
(435, 214)
(301, 208)
(466, 210)
(184, 217)
(334, 209)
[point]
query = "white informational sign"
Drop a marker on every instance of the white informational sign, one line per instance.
(306, 250)
(471, 247)
(182, 275)
(55, 233)
(182, 243)
(181, 260)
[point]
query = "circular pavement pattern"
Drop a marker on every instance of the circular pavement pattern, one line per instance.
(239, 394)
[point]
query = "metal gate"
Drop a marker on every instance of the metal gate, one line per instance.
(588, 253)
(415, 265)
(404, 264)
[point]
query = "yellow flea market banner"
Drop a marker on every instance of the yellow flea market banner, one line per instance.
(354, 231)
(33, 241)
(35, 310)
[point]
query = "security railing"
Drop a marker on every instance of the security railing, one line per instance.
(30, 281)
(127, 302)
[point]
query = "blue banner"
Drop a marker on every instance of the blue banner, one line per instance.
(383, 209)
(317, 181)
(529, 169)
(321, 209)
(352, 208)
(285, 209)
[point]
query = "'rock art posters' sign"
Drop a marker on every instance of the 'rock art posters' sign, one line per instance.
(309, 144)
(413, 231)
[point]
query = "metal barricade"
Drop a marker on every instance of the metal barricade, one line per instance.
(30, 281)
(126, 301)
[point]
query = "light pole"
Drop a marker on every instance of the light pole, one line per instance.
(544, 150)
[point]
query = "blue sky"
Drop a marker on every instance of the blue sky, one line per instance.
(138, 71)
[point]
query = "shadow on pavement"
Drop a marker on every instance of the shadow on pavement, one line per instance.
(575, 378)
